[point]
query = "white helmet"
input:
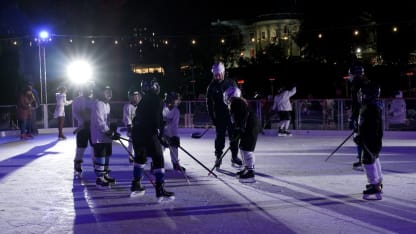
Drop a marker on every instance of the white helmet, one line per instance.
(230, 93)
(218, 68)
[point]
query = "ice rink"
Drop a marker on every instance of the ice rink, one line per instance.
(296, 190)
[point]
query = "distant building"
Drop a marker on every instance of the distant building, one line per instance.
(279, 29)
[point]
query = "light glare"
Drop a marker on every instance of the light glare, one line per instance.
(79, 72)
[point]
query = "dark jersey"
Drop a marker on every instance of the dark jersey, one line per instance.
(245, 122)
(370, 127)
(148, 119)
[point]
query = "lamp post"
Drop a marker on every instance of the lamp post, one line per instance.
(42, 40)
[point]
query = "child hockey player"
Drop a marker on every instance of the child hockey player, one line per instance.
(129, 111)
(148, 140)
(81, 111)
(369, 137)
(171, 117)
(102, 136)
(246, 127)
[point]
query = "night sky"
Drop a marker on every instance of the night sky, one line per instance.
(184, 18)
(181, 16)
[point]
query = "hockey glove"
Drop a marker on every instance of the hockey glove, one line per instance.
(357, 139)
(164, 141)
(174, 141)
(109, 133)
(116, 136)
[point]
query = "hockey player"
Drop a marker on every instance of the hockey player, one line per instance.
(357, 78)
(102, 136)
(147, 135)
(246, 129)
(171, 115)
(129, 111)
(369, 137)
(81, 111)
(220, 115)
(283, 106)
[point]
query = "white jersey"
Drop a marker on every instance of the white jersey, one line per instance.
(100, 122)
(61, 102)
(171, 117)
(81, 109)
(129, 111)
(282, 101)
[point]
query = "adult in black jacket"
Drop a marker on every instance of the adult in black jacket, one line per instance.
(220, 115)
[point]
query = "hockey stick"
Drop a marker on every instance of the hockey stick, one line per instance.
(346, 139)
(190, 155)
(128, 151)
(198, 135)
(222, 156)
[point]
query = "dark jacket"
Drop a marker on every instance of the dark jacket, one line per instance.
(216, 107)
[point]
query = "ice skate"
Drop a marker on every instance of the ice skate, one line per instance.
(280, 132)
(373, 192)
(247, 177)
(101, 183)
(218, 162)
(137, 189)
(24, 137)
(110, 179)
(238, 174)
(77, 170)
(236, 162)
(178, 167)
(367, 186)
(162, 195)
(357, 166)
(287, 133)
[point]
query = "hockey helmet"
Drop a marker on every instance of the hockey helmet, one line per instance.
(369, 93)
(172, 98)
(133, 91)
(231, 92)
(150, 86)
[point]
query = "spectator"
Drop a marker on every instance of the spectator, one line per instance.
(397, 111)
(59, 113)
(24, 112)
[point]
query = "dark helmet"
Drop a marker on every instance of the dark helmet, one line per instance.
(150, 86)
(356, 70)
(171, 97)
(369, 93)
(133, 91)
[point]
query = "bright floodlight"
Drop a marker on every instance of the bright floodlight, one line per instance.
(44, 35)
(79, 72)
